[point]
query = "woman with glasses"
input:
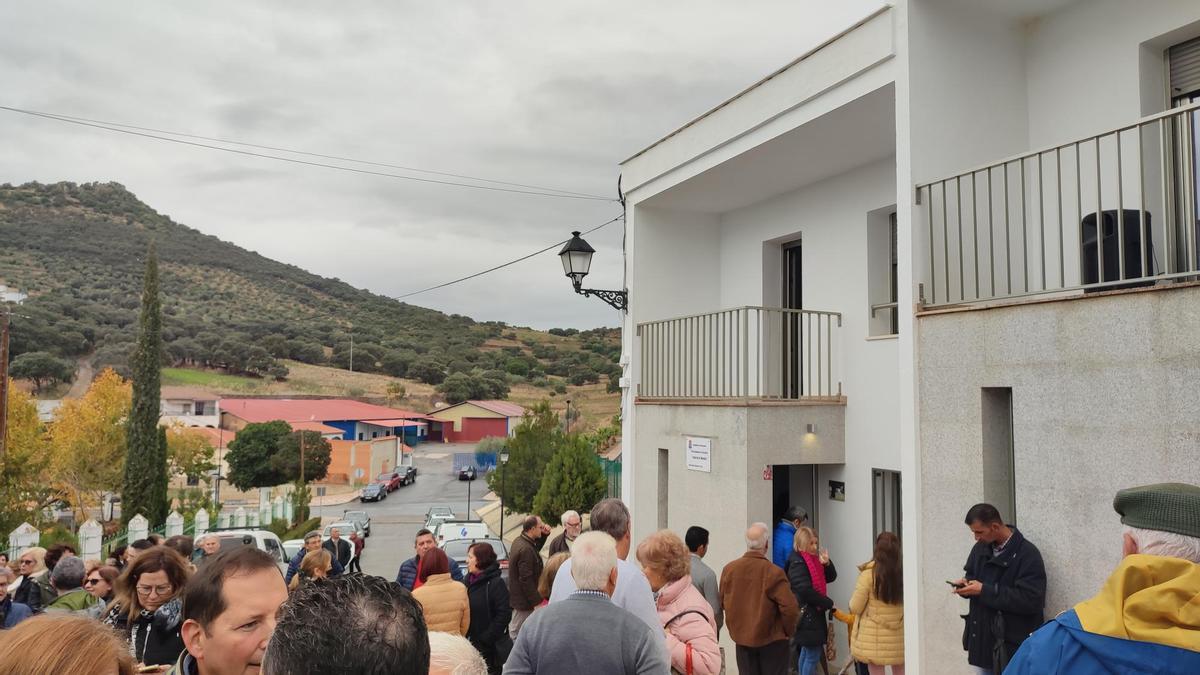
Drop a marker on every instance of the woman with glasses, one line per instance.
(101, 583)
(146, 608)
(31, 590)
(11, 613)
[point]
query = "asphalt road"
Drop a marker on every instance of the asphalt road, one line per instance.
(395, 520)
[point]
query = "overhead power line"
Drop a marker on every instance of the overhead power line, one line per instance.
(511, 262)
(144, 132)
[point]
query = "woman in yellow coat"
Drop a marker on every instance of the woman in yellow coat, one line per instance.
(878, 603)
(443, 600)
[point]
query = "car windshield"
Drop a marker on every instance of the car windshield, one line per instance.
(457, 548)
(234, 541)
(358, 516)
(385, 476)
(344, 529)
(292, 549)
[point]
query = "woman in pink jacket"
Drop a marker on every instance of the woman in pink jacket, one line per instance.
(686, 616)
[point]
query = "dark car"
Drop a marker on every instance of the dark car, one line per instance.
(408, 475)
(373, 493)
(391, 479)
(457, 549)
(466, 473)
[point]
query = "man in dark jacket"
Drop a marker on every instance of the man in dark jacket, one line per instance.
(524, 570)
(312, 542)
(572, 528)
(1006, 583)
(341, 549)
(11, 613)
(407, 576)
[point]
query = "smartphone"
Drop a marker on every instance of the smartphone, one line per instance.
(956, 586)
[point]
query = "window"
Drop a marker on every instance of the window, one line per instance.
(193, 481)
(882, 272)
(999, 464)
(1183, 62)
(885, 500)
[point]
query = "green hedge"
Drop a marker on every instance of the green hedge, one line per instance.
(298, 531)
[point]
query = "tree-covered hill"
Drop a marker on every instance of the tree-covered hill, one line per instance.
(77, 251)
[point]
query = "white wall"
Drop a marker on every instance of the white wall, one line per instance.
(676, 271)
(1103, 393)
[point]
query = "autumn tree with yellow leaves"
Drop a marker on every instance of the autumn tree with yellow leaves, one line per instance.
(25, 467)
(87, 437)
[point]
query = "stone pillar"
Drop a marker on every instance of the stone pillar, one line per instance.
(139, 527)
(239, 517)
(201, 522)
(91, 536)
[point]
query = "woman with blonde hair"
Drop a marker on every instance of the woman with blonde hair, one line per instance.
(549, 572)
(315, 565)
(878, 602)
(809, 571)
(87, 648)
(686, 617)
(146, 609)
(31, 586)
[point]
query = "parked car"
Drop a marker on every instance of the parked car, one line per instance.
(361, 517)
(457, 549)
(391, 479)
(408, 474)
(291, 547)
(263, 540)
(461, 529)
(437, 514)
(467, 473)
(373, 492)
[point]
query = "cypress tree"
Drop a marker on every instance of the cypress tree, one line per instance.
(143, 489)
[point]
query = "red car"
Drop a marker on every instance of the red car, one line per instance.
(391, 479)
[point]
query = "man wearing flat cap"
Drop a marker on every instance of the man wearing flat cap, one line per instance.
(1146, 618)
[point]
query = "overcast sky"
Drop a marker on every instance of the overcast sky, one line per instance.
(551, 93)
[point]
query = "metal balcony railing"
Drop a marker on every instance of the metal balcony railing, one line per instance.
(1110, 210)
(742, 353)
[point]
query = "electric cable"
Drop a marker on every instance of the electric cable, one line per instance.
(130, 130)
(511, 262)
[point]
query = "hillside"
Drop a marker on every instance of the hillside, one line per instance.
(78, 252)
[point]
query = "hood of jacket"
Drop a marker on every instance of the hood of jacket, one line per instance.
(1148, 598)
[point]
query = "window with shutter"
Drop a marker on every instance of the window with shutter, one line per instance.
(1184, 62)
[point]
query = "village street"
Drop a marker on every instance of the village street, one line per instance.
(395, 520)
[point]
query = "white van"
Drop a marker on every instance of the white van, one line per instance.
(448, 530)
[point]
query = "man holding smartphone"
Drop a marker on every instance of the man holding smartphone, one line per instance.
(1005, 582)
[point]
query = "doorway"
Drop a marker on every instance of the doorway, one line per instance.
(793, 298)
(794, 485)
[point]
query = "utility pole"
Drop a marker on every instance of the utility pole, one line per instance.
(303, 483)
(3, 386)
(352, 349)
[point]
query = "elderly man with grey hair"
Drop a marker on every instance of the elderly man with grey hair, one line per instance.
(451, 654)
(632, 593)
(760, 609)
(67, 579)
(572, 527)
(586, 632)
(1144, 618)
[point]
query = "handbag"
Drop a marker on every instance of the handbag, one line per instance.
(687, 645)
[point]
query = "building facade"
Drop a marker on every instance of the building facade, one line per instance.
(943, 258)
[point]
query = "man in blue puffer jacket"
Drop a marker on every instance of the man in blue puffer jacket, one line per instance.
(407, 576)
(312, 542)
(785, 534)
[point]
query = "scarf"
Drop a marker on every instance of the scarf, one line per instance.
(816, 570)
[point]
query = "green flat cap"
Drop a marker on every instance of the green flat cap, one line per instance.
(1168, 507)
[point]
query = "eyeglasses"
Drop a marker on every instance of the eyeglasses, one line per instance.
(93, 582)
(24, 562)
(159, 590)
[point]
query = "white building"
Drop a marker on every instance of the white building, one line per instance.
(864, 278)
(189, 406)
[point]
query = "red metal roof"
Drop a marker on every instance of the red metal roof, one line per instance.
(315, 426)
(501, 408)
(312, 410)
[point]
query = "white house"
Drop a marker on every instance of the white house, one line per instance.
(870, 285)
(189, 406)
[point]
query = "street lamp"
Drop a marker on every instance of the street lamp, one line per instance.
(576, 258)
(503, 474)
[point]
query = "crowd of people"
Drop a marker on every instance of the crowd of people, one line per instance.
(590, 607)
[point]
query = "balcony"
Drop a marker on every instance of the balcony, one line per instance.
(1114, 210)
(758, 354)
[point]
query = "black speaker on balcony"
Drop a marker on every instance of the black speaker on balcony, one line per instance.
(1139, 249)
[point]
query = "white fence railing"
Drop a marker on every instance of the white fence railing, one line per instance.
(1108, 210)
(746, 352)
